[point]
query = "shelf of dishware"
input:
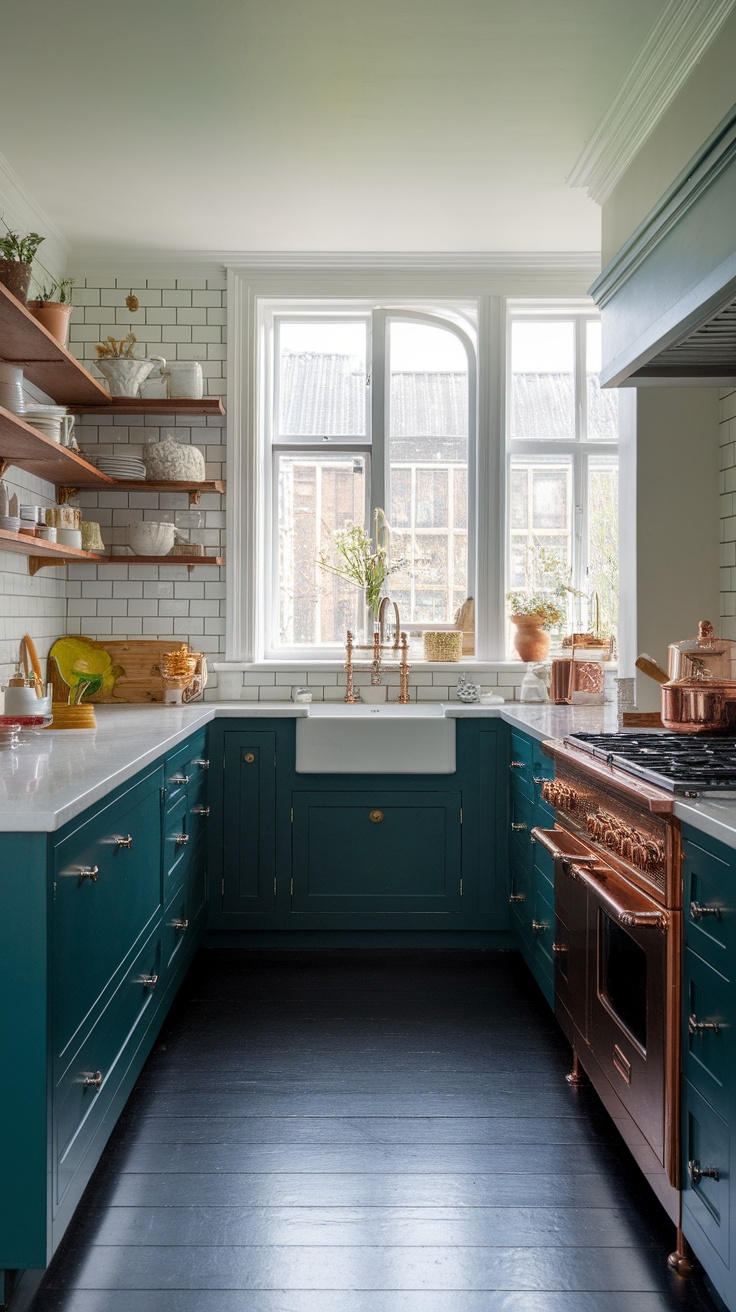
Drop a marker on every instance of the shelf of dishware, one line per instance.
(27, 447)
(45, 362)
(154, 405)
(45, 553)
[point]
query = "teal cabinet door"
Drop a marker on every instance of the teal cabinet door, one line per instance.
(377, 853)
(249, 823)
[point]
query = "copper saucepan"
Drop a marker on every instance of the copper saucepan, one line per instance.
(699, 696)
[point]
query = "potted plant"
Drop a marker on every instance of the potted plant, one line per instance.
(534, 615)
(52, 307)
(16, 257)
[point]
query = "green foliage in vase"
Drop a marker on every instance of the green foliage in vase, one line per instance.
(58, 291)
(355, 559)
(549, 613)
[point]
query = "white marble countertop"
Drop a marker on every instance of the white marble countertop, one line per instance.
(54, 775)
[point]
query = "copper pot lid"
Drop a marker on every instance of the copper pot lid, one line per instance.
(706, 659)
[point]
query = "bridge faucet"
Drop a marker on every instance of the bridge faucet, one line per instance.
(386, 604)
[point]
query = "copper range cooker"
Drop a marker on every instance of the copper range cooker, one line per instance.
(618, 936)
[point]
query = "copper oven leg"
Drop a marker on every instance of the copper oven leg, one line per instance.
(679, 1260)
(577, 1075)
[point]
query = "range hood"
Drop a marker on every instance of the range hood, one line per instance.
(668, 298)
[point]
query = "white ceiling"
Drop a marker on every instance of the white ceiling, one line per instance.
(287, 125)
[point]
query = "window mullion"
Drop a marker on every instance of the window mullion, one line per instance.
(378, 488)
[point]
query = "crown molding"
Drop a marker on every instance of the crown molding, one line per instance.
(677, 42)
(124, 265)
(21, 211)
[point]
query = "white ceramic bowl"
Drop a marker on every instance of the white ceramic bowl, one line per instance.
(151, 538)
(11, 523)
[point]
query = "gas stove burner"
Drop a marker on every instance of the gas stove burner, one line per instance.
(668, 760)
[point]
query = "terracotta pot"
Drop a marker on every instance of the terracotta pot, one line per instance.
(531, 641)
(54, 316)
(16, 277)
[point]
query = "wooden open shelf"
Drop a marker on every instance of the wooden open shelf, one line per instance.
(154, 405)
(194, 490)
(191, 561)
(44, 553)
(22, 445)
(45, 363)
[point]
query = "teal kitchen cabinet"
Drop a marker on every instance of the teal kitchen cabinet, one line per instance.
(531, 870)
(380, 852)
(88, 970)
(356, 854)
(709, 1056)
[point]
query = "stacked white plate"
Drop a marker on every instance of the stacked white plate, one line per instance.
(124, 467)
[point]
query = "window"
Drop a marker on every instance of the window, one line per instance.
(366, 407)
(562, 482)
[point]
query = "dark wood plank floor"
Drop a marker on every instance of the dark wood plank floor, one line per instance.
(366, 1133)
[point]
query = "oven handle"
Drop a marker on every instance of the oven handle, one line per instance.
(546, 839)
(625, 915)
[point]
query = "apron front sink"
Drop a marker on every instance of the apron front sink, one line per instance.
(375, 739)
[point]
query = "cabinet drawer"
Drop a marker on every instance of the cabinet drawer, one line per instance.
(187, 766)
(544, 866)
(521, 825)
(706, 1143)
(176, 930)
(708, 1054)
(98, 917)
(708, 900)
(377, 852)
(176, 843)
(520, 765)
(78, 1106)
(520, 893)
(542, 925)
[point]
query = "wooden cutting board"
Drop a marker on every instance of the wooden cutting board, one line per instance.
(141, 681)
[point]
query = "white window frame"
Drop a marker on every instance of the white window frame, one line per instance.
(372, 446)
(484, 285)
(580, 449)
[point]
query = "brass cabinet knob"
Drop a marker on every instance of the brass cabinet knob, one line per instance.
(698, 1172)
(149, 981)
(696, 1026)
(180, 925)
(201, 761)
(517, 897)
(249, 758)
(181, 840)
(92, 1081)
(518, 825)
(375, 817)
(178, 779)
(201, 810)
(89, 872)
(124, 842)
(539, 926)
(697, 911)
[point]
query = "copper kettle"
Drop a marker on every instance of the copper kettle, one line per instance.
(700, 693)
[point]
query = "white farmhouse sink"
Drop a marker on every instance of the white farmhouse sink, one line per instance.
(387, 738)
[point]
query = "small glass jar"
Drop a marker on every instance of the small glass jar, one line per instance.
(301, 695)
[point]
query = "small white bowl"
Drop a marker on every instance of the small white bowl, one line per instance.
(11, 523)
(151, 538)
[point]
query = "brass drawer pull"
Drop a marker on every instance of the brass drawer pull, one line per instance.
(516, 765)
(89, 872)
(180, 925)
(536, 780)
(539, 926)
(201, 761)
(201, 810)
(560, 948)
(181, 840)
(178, 779)
(517, 897)
(91, 1081)
(124, 842)
(696, 1026)
(697, 911)
(375, 817)
(518, 825)
(149, 981)
(698, 1172)
(249, 758)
